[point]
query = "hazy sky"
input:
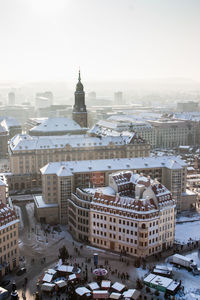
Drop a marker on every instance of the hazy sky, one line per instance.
(108, 39)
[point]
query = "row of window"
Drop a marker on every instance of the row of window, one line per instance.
(7, 237)
(8, 246)
(7, 229)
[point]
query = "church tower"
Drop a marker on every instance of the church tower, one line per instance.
(79, 113)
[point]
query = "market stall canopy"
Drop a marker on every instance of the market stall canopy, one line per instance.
(105, 284)
(64, 268)
(115, 296)
(93, 286)
(99, 294)
(51, 271)
(131, 293)
(47, 277)
(82, 291)
(118, 286)
(61, 283)
(47, 287)
(72, 277)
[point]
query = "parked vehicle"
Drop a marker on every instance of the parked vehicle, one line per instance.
(163, 271)
(185, 262)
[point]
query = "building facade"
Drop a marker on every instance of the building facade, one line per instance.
(9, 250)
(64, 183)
(139, 219)
(27, 154)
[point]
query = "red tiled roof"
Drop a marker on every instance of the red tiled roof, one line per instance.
(7, 215)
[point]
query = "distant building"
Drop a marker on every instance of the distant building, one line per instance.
(19, 112)
(56, 126)
(4, 136)
(64, 184)
(9, 249)
(118, 98)
(79, 113)
(3, 190)
(122, 123)
(12, 126)
(27, 154)
(11, 98)
(189, 106)
(173, 133)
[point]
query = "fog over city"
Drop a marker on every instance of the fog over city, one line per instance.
(99, 149)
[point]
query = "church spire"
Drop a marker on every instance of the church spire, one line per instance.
(79, 86)
(79, 75)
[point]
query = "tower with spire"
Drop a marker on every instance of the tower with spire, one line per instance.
(79, 113)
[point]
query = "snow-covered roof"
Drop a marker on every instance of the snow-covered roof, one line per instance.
(131, 293)
(61, 283)
(3, 129)
(82, 290)
(115, 295)
(118, 286)
(190, 116)
(93, 286)
(57, 124)
(10, 122)
(106, 284)
(39, 201)
(7, 216)
(47, 277)
(2, 183)
(51, 271)
(66, 269)
(169, 162)
(26, 142)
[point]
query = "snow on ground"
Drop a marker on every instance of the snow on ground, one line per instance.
(186, 231)
(188, 217)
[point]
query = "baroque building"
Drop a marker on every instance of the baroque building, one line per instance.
(65, 186)
(9, 249)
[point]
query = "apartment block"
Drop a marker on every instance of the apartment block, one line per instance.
(9, 250)
(63, 182)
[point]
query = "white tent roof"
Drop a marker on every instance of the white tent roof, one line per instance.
(82, 290)
(93, 286)
(115, 296)
(64, 268)
(72, 277)
(47, 277)
(106, 284)
(61, 283)
(131, 293)
(47, 287)
(118, 286)
(51, 271)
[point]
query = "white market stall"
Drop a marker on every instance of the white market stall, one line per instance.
(47, 287)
